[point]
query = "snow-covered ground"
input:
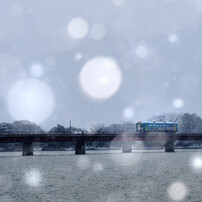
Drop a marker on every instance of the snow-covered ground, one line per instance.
(102, 176)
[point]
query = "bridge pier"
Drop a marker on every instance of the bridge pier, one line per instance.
(80, 147)
(27, 149)
(169, 146)
(127, 147)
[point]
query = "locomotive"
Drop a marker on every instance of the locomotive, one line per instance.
(143, 127)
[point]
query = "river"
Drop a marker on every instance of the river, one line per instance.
(102, 176)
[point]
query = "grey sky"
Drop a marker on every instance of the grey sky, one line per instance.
(154, 44)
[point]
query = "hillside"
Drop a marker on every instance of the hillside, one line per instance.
(187, 123)
(20, 127)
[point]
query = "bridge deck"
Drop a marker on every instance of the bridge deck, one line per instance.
(13, 138)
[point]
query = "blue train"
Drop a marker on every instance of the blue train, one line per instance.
(156, 126)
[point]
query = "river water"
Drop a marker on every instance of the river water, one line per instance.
(102, 176)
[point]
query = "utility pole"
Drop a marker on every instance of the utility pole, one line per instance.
(70, 126)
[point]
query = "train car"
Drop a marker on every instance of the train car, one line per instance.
(156, 126)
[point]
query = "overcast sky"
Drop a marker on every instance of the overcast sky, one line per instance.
(103, 61)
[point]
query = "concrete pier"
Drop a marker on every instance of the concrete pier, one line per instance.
(80, 147)
(127, 147)
(169, 146)
(27, 149)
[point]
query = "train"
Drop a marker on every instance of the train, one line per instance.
(144, 127)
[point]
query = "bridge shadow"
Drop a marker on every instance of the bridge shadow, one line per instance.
(94, 153)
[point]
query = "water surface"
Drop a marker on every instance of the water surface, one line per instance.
(102, 176)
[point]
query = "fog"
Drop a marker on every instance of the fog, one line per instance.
(103, 61)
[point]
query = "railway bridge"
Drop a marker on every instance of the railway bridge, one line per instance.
(27, 140)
